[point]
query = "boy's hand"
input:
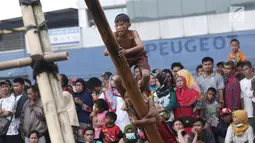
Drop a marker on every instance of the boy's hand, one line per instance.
(152, 113)
(132, 121)
(122, 52)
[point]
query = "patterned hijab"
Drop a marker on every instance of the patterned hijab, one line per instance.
(190, 80)
(242, 118)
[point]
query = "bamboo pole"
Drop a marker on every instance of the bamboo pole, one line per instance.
(122, 67)
(18, 63)
(43, 79)
(66, 128)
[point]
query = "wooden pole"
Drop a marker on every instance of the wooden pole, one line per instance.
(55, 84)
(122, 67)
(42, 79)
(27, 61)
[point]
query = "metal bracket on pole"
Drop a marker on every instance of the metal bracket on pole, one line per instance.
(30, 2)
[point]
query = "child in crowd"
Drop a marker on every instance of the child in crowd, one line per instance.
(98, 117)
(110, 132)
(132, 135)
(211, 107)
(236, 55)
(34, 137)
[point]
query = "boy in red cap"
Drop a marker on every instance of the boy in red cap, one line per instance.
(220, 130)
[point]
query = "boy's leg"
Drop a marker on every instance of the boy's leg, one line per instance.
(143, 64)
(144, 82)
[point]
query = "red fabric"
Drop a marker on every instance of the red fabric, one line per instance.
(165, 132)
(111, 134)
(183, 112)
(185, 96)
(88, 109)
(188, 130)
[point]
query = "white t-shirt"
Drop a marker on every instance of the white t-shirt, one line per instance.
(70, 108)
(122, 116)
(8, 104)
(247, 95)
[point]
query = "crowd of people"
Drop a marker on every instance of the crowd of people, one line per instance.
(211, 107)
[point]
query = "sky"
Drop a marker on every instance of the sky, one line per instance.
(11, 9)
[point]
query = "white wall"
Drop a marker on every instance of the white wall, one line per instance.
(179, 27)
(11, 9)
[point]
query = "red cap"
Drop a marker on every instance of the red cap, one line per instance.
(225, 111)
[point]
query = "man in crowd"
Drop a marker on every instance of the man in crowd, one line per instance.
(105, 78)
(220, 68)
(95, 87)
(7, 111)
(247, 91)
(211, 79)
(32, 115)
(20, 97)
(89, 134)
(64, 84)
(232, 91)
(175, 67)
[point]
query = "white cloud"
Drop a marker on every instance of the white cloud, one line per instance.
(11, 9)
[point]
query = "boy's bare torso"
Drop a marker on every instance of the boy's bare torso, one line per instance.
(128, 42)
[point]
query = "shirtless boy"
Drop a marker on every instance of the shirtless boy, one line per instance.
(131, 47)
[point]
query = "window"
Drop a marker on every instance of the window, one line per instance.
(146, 10)
(110, 15)
(12, 41)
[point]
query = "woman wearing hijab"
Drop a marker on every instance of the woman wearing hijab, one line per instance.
(131, 135)
(116, 104)
(84, 103)
(186, 98)
(240, 131)
(164, 97)
(153, 84)
(190, 80)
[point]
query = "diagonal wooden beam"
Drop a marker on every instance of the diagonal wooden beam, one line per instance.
(122, 67)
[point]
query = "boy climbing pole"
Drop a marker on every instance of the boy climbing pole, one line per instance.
(131, 47)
